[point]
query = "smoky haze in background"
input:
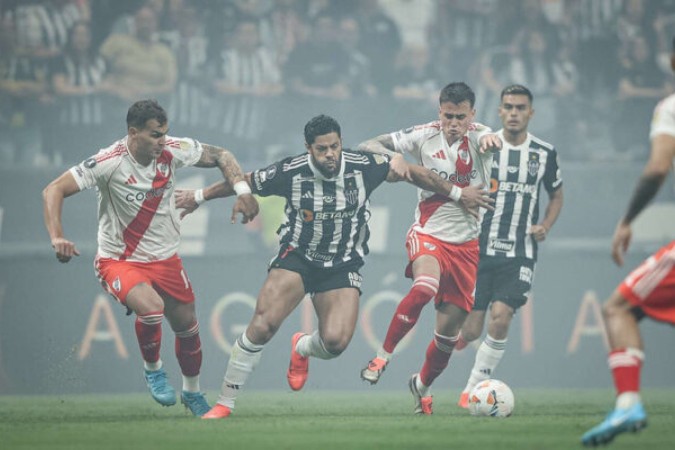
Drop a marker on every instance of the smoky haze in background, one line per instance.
(247, 75)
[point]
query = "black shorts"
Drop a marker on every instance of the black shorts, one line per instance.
(320, 279)
(508, 280)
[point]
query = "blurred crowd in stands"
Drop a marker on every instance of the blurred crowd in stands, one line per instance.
(247, 74)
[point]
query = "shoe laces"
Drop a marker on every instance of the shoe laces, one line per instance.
(377, 364)
(157, 379)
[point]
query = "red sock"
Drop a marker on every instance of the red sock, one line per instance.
(408, 311)
(626, 364)
(438, 355)
(149, 334)
(189, 351)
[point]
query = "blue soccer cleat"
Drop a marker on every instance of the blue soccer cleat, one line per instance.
(195, 402)
(617, 421)
(159, 387)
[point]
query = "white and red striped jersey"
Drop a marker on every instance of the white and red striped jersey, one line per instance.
(137, 217)
(461, 163)
(663, 121)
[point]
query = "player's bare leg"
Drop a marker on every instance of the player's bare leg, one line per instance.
(183, 320)
(149, 308)
(625, 361)
(337, 311)
(491, 350)
(471, 330)
(280, 295)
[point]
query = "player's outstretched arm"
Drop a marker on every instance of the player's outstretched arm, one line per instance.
(471, 197)
(384, 145)
(246, 204)
(52, 201)
(656, 170)
(189, 200)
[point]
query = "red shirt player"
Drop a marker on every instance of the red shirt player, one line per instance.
(443, 241)
(647, 291)
(138, 236)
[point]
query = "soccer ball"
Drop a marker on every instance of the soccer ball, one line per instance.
(491, 398)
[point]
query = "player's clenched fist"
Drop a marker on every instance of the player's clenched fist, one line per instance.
(64, 249)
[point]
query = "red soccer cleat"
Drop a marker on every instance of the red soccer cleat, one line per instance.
(299, 366)
(423, 405)
(463, 400)
(218, 412)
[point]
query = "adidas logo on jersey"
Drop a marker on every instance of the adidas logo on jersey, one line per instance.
(130, 180)
(439, 155)
(308, 194)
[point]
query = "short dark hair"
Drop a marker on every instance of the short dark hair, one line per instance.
(457, 93)
(320, 125)
(143, 110)
(516, 89)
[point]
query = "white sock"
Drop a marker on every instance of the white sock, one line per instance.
(421, 388)
(150, 366)
(627, 400)
(245, 356)
(191, 384)
(489, 353)
(382, 354)
(313, 346)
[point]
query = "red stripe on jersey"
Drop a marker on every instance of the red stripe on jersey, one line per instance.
(464, 164)
(120, 149)
(430, 205)
(135, 231)
(172, 143)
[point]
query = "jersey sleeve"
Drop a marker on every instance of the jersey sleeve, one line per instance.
(476, 133)
(410, 140)
(269, 181)
(186, 151)
(552, 176)
(91, 170)
(663, 120)
(376, 171)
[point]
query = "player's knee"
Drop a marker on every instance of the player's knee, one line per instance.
(615, 307)
(147, 305)
(499, 324)
(262, 329)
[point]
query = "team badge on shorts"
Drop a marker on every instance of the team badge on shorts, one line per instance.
(117, 284)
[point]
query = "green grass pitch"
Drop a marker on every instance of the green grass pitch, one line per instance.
(543, 419)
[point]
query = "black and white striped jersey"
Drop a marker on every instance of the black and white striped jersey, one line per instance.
(326, 218)
(80, 110)
(518, 172)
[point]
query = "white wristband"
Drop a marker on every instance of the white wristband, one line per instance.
(455, 193)
(241, 188)
(199, 196)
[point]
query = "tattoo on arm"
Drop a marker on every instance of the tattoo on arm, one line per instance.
(213, 156)
(429, 180)
(383, 144)
(644, 192)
